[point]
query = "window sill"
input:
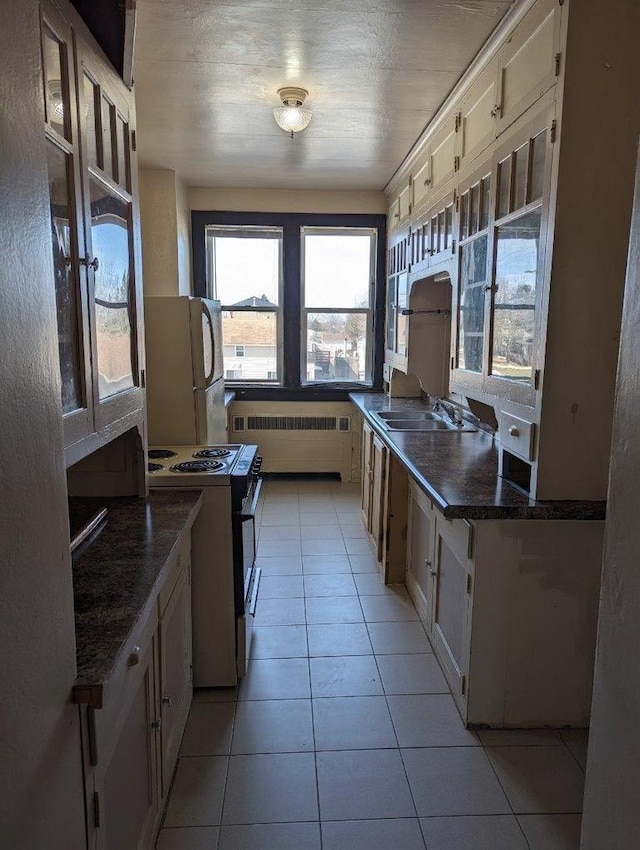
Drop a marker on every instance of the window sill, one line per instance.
(310, 392)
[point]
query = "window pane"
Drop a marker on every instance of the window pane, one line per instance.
(485, 201)
(520, 159)
(538, 150)
(337, 269)
(244, 266)
(90, 121)
(110, 226)
(515, 298)
(504, 185)
(473, 278)
(55, 83)
(107, 152)
(123, 152)
(250, 345)
(336, 348)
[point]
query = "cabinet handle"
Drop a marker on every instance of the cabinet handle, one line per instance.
(427, 181)
(167, 701)
(134, 657)
(496, 110)
(428, 563)
(514, 432)
(156, 724)
(90, 264)
(434, 573)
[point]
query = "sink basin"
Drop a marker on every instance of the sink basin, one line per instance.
(417, 425)
(422, 415)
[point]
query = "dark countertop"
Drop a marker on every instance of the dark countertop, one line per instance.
(228, 397)
(117, 570)
(459, 471)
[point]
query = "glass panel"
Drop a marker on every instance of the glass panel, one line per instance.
(391, 313)
(474, 209)
(515, 298)
(336, 347)
(244, 265)
(538, 150)
(337, 269)
(485, 201)
(123, 151)
(520, 163)
(504, 185)
(90, 121)
(473, 279)
(67, 300)
(448, 223)
(403, 298)
(441, 231)
(110, 223)
(250, 345)
(107, 153)
(434, 235)
(56, 86)
(464, 215)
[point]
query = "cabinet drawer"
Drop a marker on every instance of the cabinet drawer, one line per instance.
(181, 560)
(516, 435)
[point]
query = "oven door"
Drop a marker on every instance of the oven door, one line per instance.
(251, 578)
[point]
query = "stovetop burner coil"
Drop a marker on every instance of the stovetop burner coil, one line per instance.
(154, 467)
(159, 454)
(198, 466)
(212, 453)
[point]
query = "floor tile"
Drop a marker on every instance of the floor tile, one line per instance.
(188, 838)
(284, 565)
(400, 833)
(271, 836)
(364, 564)
(196, 795)
(350, 517)
(358, 546)
(519, 737)
(333, 609)
(371, 584)
(411, 674)
(482, 832)
(215, 694)
(208, 730)
(280, 612)
(325, 564)
(332, 546)
(551, 832)
(453, 781)
(399, 637)
(279, 532)
(378, 609)
(273, 726)
(355, 531)
(346, 676)
(277, 678)
(319, 532)
(352, 723)
(279, 642)
(338, 639)
(340, 584)
(269, 548)
(317, 506)
(328, 519)
(280, 587)
(429, 720)
(360, 784)
(539, 780)
(577, 740)
(279, 517)
(277, 788)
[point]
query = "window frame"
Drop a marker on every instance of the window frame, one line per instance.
(291, 387)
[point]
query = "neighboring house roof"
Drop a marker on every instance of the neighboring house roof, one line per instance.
(254, 301)
(249, 329)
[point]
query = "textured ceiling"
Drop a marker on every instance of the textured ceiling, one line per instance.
(207, 71)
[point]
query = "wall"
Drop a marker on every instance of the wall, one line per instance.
(285, 200)
(611, 814)
(183, 227)
(41, 795)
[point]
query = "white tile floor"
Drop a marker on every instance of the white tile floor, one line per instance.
(344, 735)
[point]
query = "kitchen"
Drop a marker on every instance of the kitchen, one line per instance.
(43, 756)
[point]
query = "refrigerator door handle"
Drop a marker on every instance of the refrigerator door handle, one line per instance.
(207, 328)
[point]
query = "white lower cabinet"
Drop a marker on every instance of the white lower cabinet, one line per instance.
(130, 743)
(510, 608)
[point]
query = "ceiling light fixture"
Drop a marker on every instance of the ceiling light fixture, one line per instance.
(291, 116)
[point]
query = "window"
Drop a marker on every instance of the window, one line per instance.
(302, 297)
(244, 270)
(338, 273)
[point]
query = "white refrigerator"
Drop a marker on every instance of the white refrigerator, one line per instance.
(185, 374)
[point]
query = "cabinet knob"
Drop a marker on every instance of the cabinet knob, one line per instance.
(427, 181)
(433, 573)
(90, 264)
(134, 657)
(428, 563)
(167, 701)
(514, 432)
(156, 724)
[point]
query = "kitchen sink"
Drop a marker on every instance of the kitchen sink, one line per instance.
(417, 420)
(391, 415)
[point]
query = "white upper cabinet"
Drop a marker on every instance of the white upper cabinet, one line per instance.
(528, 62)
(422, 180)
(477, 115)
(442, 155)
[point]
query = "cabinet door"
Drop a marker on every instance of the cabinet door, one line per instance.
(67, 236)
(422, 181)
(477, 115)
(441, 222)
(379, 476)
(175, 673)
(420, 554)
(451, 604)
(367, 472)
(527, 64)
(442, 155)
(127, 785)
(393, 214)
(111, 231)
(404, 203)
(402, 322)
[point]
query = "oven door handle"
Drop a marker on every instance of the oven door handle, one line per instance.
(254, 594)
(254, 503)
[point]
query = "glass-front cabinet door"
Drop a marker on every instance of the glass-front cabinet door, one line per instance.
(67, 237)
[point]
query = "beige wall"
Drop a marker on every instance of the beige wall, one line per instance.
(285, 200)
(41, 794)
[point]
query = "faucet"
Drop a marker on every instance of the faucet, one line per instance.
(450, 410)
